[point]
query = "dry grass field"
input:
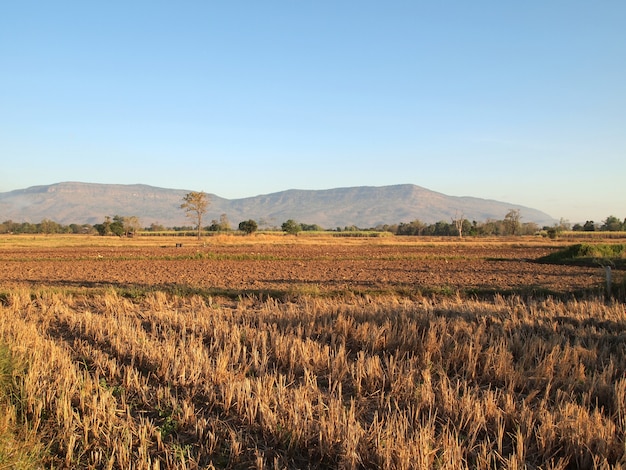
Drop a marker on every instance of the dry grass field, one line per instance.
(294, 352)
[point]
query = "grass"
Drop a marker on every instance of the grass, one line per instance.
(596, 254)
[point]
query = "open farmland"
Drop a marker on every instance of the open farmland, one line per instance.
(295, 352)
(283, 265)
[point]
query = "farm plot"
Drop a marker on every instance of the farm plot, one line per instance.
(301, 268)
(356, 362)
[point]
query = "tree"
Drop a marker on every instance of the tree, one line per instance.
(103, 228)
(415, 227)
(458, 223)
(564, 225)
(131, 225)
(491, 227)
(248, 226)
(47, 226)
(117, 226)
(291, 227)
(156, 227)
(589, 226)
(440, 229)
(467, 227)
(530, 228)
(195, 206)
(224, 223)
(222, 226)
(511, 222)
(311, 228)
(75, 228)
(611, 224)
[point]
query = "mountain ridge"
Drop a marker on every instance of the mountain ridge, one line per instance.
(362, 206)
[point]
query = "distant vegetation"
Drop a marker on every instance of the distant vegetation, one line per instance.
(510, 225)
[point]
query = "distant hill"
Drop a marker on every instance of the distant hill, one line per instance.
(363, 206)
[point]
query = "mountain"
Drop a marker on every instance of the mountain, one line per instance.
(363, 206)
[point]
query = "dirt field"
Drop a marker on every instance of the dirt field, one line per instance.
(300, 265)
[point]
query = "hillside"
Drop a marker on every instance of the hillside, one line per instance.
(363, 206)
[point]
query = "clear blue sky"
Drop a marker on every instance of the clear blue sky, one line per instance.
(523, 102)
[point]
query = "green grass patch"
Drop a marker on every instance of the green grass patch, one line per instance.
(589, 254)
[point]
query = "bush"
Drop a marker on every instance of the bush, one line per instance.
(291, 227)
(248, 226)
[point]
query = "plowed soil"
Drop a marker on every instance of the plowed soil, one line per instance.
(368, 265)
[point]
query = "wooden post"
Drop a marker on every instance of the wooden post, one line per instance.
(607, 270)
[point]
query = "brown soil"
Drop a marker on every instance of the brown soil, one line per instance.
(367, 266)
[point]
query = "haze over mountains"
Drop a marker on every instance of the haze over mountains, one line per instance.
(362, 206)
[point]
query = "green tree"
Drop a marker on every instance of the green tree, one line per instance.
(291, 227)
(441, 228)
(467, 227)
(589, 226)
(75, 228)
(100, 228)
(48, 226)
(195, 206)
(311, 228)
(416, 227)
(156, 227)
(104, 228)
(491, 227)
(117, 226)
(248, 226)
(611, 224)
(111, 227)
(27, 227)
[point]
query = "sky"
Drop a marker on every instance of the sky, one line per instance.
(522, 102)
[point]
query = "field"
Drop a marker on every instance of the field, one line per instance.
(283, 265)
(307, 352)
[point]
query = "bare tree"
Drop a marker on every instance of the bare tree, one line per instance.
(458, 223)
(131, 225)
(195, 206)
(224, 222)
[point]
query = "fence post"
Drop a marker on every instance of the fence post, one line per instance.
(607, 270)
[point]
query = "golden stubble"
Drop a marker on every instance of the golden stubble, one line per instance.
(356, 382)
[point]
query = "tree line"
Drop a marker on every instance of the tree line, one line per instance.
(128, 226)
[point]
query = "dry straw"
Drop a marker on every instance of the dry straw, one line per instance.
(183, 382)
